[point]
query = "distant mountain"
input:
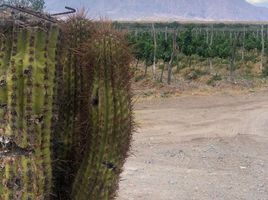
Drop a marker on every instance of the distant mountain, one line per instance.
(224, 10)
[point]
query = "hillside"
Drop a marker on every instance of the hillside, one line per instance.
(226, 10)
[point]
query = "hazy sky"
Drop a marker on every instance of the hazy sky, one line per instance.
(56, 5)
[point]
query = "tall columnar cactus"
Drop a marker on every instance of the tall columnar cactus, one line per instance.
(107, 116)
(65, 110)
(28, 66)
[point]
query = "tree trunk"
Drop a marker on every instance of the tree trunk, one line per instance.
(178, 67)
(266, 32)
(166, 35)
(262, 49)
(162, 73)
(232, 62)
(210, 44)
(137, 63)
(189, 61)
(172, 58)
(243, 47)
(232, 68)
(210, 65)
(169, 72)
(154, 64)
(233, 55)
(146, 69)
(212, 35)
(207, 35)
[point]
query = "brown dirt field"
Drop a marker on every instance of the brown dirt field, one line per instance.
(199, 147)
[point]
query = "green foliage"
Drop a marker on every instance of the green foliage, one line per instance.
(251, 42)
(187, 46)
(194, 39)
(164, 49)
(37, 5)
(143, 47)
(202, 47)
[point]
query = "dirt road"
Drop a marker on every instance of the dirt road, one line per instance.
(203, 148)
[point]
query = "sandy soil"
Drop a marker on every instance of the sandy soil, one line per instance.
(199, 147)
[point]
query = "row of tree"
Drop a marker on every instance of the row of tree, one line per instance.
(167, 45)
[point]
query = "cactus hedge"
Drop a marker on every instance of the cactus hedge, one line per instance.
(65, 110)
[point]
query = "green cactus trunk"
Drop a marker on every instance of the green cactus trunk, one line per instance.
(28, 68)
(67, 137)
(109, 117)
